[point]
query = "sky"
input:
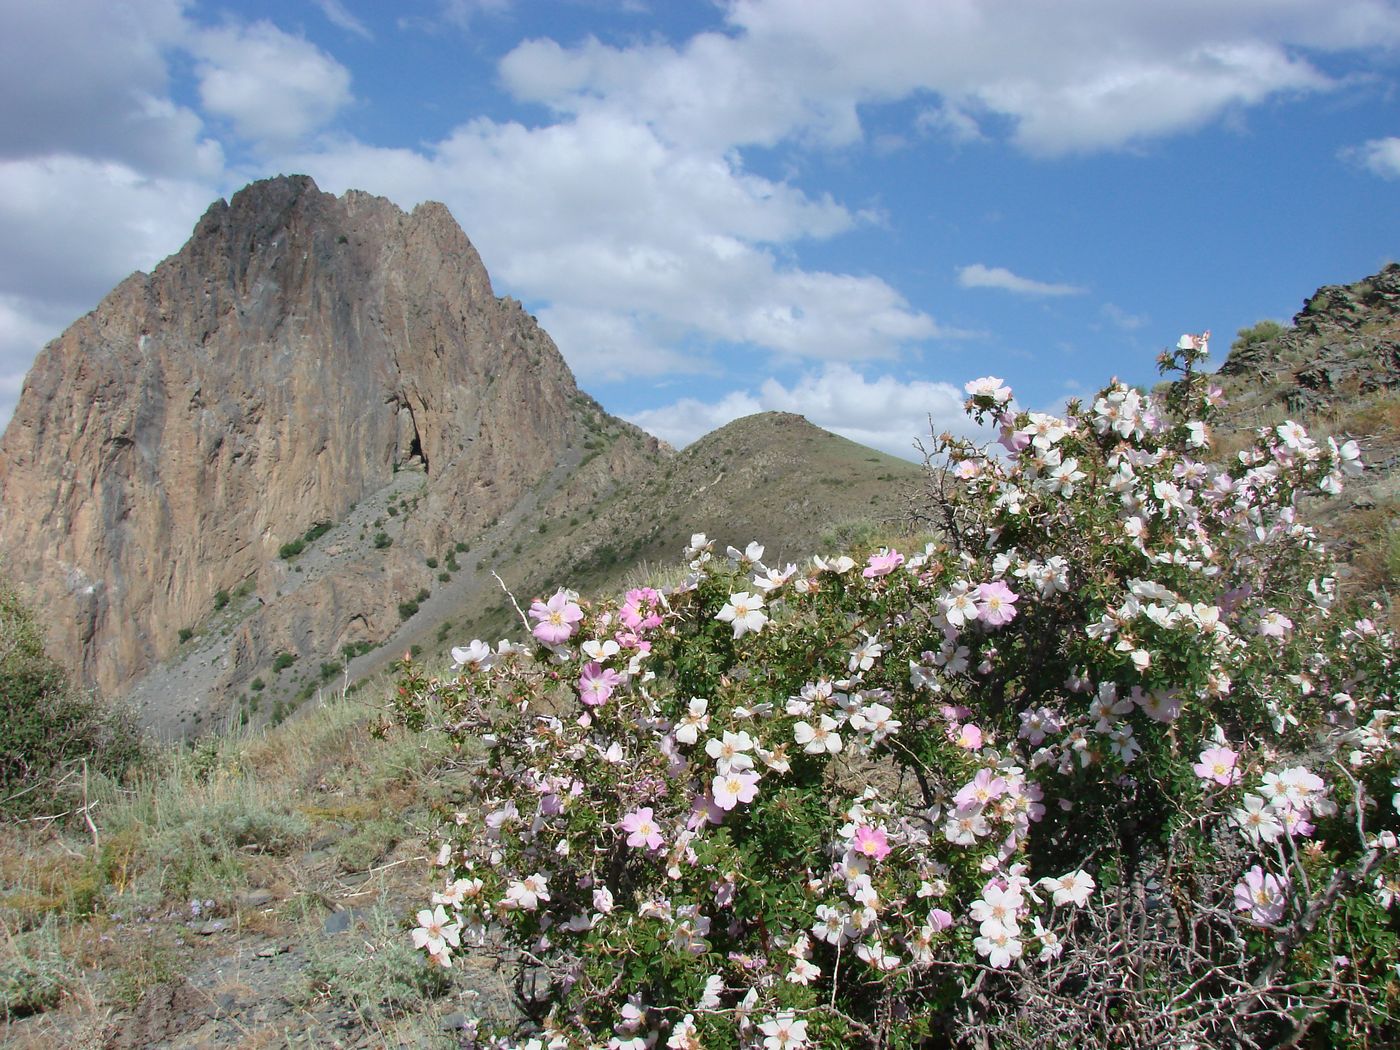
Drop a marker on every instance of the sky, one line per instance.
(843, 209)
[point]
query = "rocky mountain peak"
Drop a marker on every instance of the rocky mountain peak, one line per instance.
(297, 353)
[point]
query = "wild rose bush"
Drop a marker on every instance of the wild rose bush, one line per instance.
(1105, 763)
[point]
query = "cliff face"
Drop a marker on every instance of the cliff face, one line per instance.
(295, 354)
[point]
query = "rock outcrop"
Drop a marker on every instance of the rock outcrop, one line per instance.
(1344, 342)
(294, 356)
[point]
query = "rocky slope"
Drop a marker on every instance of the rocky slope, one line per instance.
(1336, 369)
(296, 355)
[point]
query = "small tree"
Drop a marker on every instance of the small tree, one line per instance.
(49, 729)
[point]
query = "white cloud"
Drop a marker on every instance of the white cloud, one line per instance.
(337, 14)
(1379, 156)
(1129, 322)
(884, 412)
(631, 220)
(979, 276)
(635, 248)
(1076, 76)
(74, 227)
(89, 77)
(272, 86)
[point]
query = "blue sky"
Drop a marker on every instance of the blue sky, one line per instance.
(841, 209)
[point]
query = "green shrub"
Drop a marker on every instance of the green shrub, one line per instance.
(431, 562)
(444, 577)
(257, 685)
(393, 511)
(282, 661)
(382, 540)
(288, 551)
(359, 850)
(317, 531)
(354, 649)
(407, 609)
(329, 670)
(461, 548)
(423, 594)
(185, 634)
(220, 600)
(1262, 332)
(48, 727)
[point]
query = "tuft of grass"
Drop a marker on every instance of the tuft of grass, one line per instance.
(380, 976)
(370, 841)
(34, 971)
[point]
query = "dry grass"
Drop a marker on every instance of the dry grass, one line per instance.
(94, 927)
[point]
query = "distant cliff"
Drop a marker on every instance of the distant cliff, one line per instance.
(295, 355)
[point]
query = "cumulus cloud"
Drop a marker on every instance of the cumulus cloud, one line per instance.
(634, 248)
(67, 89)
(1379, 156)
(73, 227)
(979, 276)
(884, 412)
(273, 87)
(627, 215)
(1077, 76)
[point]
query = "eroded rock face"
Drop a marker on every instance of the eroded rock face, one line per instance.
(1342, 343)
(271, 375)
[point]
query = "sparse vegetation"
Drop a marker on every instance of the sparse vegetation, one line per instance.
(35, 972)
(220, 600)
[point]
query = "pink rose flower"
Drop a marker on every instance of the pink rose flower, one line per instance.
(557, 618)
(872, 842)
